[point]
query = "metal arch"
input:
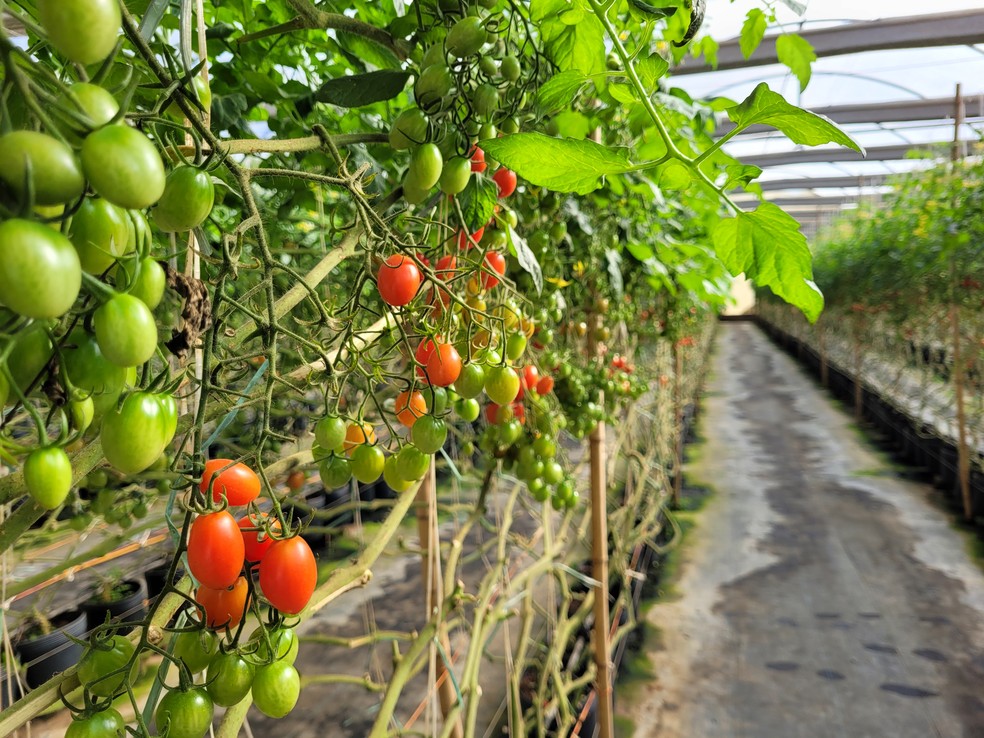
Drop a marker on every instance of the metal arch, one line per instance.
(831, 155)
(719, 91)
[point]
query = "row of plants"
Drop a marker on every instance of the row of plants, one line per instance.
(239, 248)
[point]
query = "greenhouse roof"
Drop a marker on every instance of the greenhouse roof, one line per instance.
(894, 99)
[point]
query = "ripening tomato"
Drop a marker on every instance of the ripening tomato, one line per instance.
(289, 574)
(531, 376)
(478, 160)
(496, 264)
(465, 243)
(216, 550)
(257, 542)
(443, 365)
(506, 180)
(83, 30)
(519, 411)
(40, 273)
(446, 267)
(398, 280)
(223, 608)
(238, 482)
(545, 386)
(410, 406)
(357, 434)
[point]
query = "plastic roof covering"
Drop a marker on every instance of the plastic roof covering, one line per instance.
(868, 77)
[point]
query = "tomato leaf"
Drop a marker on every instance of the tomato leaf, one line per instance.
(802, 126)
(356, 90)
(526, 258)
(752, 31)
(767, 245)
(741, 174)
(573, 37)
(478, 201)
(651, 69)
(560, 91)
(562, 164)
(796, 53)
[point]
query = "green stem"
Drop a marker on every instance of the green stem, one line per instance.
(314, 18)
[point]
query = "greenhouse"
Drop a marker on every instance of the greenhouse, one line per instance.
(472, 368)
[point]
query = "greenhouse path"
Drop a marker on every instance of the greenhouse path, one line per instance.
(822, 595)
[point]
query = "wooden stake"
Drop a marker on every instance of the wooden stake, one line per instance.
(430, 552)
(599, 558)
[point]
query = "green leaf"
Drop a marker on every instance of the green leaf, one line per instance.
(478, 201)
(740, 175)
(560, 91)
(709, 48)
(796, 53)
(802, 126)
(575, 41)
(572, 124)
(366, 50)
(526, 258)
(562, 164)
(356, 90)
(651, 12)
(767, 246)
(623, 93)
(651, 69)
(752, 31)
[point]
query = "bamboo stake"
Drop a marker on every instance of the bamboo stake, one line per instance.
(963, 451)
(431, 570)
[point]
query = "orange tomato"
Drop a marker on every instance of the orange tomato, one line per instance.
(223, 608)
(410, 406)
(357, 434)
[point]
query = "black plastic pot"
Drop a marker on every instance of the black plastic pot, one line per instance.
(44, 656)
(316, 539)
(946, 480)
(130, 608)
(9, 690)
(156, 579)
(977, 492)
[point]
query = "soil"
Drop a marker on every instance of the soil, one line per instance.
(818, 599)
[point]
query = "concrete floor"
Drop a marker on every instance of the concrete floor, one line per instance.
(821, 595)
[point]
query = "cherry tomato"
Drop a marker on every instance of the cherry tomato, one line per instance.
(100, 234)
(99, 669)
(288, 575)
(455, 175)
(329, 433)
(478, 160)
(410, 406)
(398, 280)
(357, 434)
(502, 384)
(216, 550)
(85, 31)
(257, 542)
(335, 471)
(506, 180)
(413, 463)
(56, 176)
(223, 608)
(48, 476)
(496, 264)
(238, 483)
(282, 640)
(531, 376)
(443, 365)
(367, 463)
(97, 104)
(184, 713)
(296, 480)
(545, 386)
(134, 436)
(229, 679)
(188, 198)
(106, 723)
(40, 274)
(125, 330)
(466, 37)
(196, 648)
(429, 434)
(276, 688)
(471, 381)
(408, 130)
(426, 164)
(123, 166)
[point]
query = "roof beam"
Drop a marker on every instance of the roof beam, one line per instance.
(961, 28)
(943, 108)
(829, 155)
(831, 203)
(807, 183)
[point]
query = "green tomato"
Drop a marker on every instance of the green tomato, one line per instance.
(429, 434)
(134, 436)
(393, 476)
(85, 31)
(434, 55)
(510, 126)
(188, 198)
(412, 462)
(184, 713)
(96, 104)
(100, 232)
(553, 472)
(471, 381)
(515, 346)
(125, 330)
(4, 390)
(55, 174)
(229, 678)
(511, 69)
(89, 371)
(99, 666)
(106, 723)
(538, 489)
(40, 274)
(485, 101)
(545, 447)
(329, 433)
(487, 131)
(48, 476)
(150, 283)
(196, 648)
(284, 641)
(276, 688)
(468, 410)
(425, 167)
(123, 166)
(455, 175)
(466, 37)
(413, 194)
(335, 471)
(367, 463)
(489, 66)
(82, 413)
(408, 130)
(200, 91)
(502, 385)
(437, 400)
(432, 87)
(510, 431)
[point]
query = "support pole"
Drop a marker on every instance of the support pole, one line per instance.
(599, 557)
(678, 425)
(430, 552)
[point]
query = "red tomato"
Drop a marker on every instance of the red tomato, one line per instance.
(531, 376)
(422, 354)
(496, 264)
(464, 243)
(238, 483)
(519, 411)
(492, 413)
(545, 386)
(288, 575)
(506, 179)
(296, 479)
(478, 159)
(423, 259)
(410, 406)
(223, 608)
(216, 550)
(255, 547)
(446, 267)
(398, 280)
(443, 365)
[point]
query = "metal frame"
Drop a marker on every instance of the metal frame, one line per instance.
(807, 183)
(830, 155)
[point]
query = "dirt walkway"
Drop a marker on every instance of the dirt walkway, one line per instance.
(821, 595)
